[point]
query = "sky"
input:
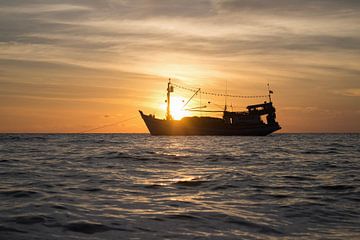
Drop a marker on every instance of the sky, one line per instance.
(75, 65)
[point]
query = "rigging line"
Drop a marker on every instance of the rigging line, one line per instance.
(191, 98)
(190, 109)
(217, 105)
(108, 125)
(196, 110)
(219, 94)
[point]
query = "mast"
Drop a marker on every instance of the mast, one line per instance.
(270, 92)
(170, 89)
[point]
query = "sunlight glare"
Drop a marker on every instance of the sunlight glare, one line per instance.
(176, 109)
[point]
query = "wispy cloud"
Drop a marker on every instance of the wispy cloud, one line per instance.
(352, 92)
(294, 8)
(42, 8)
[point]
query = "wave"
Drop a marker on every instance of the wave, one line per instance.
(19, 193)
(88, 227)
(136, 186)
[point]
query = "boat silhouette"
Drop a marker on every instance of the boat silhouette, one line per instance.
(245, 123)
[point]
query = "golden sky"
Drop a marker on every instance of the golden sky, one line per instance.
(72, 65)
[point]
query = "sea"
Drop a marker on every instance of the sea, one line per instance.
(137, 186)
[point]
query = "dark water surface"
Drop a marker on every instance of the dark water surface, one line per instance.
(284, 186)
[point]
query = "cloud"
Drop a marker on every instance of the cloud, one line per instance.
(154, 24)
(291, 7)
(42, 8)
(351, 92)
(305, 109)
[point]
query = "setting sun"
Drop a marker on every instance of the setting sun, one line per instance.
(176, 108)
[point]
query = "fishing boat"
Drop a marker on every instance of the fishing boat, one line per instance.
(257, 120)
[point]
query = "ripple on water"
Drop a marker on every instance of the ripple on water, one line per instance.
(190, 183)
(9, 229)
(32, 219)
(91, 189)
(89, 227)
(224, 187)
(59, 206)
(264, 229)
(338, 187)
(298, 178)
(183, 217)
(19, 193)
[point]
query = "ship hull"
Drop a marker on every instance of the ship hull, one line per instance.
(205, 126)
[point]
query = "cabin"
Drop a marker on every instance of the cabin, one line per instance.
(252, 116)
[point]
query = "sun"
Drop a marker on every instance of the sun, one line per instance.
(176, 108)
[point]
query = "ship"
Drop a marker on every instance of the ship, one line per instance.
(257, 120)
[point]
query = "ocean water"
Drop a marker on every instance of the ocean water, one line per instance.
(124, 186)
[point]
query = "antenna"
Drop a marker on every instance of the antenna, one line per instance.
(270, 92)
(200, 99)
(225, 97)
